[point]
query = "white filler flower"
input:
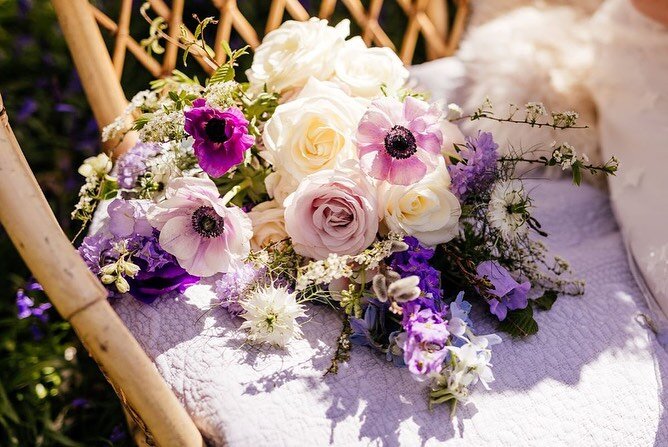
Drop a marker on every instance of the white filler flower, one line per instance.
(507, 210)
(271, 315)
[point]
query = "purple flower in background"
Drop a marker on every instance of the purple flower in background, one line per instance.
(425, 343)
(25, 305)
(118, 434)
(510, 294)
(28, 108)
(415, 261)
(475, 173)
(132, 164)
(221, 137)
(233, 285)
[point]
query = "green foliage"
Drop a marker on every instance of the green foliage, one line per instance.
(546, 301)
(519, 323)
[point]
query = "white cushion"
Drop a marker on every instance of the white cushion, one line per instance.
(592, 375)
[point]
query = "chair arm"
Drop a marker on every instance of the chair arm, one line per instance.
(80, 298)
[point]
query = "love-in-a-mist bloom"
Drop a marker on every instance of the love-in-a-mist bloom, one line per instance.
(221, 136)
(271, 315)
(399, 142)
(204, 235)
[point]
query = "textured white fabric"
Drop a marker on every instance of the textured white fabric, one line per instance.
(630, 85)
(592, 376)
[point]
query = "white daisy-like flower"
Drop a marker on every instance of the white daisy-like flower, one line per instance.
(271, 315)
(507, 209)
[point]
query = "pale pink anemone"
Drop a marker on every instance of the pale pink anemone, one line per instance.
(204, 235)
(399, 142)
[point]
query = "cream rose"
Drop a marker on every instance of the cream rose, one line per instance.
(426, 209)
(315, 131)
(365, 69)
(332, 211)
(280, 185)
(296, 51)
(451, 136)
(268, 224)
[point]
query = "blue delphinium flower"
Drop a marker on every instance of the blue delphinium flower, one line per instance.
(476, 172)
(510, 294)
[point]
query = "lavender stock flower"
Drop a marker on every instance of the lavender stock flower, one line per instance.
(132, 164)
(510, 294)
(475, 173)
(415, 261)
(234, 285)
(425, 343)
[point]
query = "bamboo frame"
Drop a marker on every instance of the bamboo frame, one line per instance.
(80, 298)
(426, 17)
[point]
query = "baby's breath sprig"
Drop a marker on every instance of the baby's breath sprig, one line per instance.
(98, 186)
(535, 111)
(345, 266)
(565, 156)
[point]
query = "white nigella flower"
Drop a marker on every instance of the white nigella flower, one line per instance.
(271, 314)
(507, 210)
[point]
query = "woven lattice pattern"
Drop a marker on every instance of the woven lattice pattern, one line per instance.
(428, 18)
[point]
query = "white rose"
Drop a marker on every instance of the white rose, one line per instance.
(268, 224)
(289, 55)
(426, 209)
(315, 131)
(280, 185)
(365, 69)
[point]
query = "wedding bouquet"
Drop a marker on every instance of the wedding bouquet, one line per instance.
(324, 179)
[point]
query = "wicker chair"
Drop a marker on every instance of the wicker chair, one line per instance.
(151, 406)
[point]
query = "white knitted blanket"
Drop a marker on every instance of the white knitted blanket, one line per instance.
(592, 376)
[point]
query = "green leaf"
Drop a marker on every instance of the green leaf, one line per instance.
(577, 173)
(519, 323)
(546, 301)
(226, 48)
(6, 408)
(223, 73)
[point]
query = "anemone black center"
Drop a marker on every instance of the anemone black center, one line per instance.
(215, 130)
(207, 222)
(400, 142)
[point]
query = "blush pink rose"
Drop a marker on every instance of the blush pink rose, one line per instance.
(332, 211)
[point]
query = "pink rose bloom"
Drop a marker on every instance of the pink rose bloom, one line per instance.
(399, 142)
(332, 211)
(204, 235)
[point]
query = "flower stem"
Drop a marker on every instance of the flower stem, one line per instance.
(478, 116)
(236, 189)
